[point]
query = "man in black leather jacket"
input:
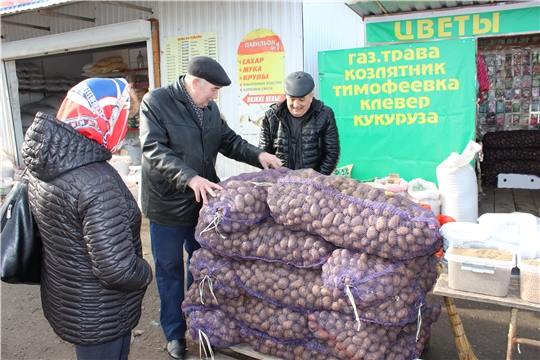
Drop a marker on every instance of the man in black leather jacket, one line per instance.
(181, 134)
(301, 131)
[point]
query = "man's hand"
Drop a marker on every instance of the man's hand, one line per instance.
(269, 161)
(201, 187)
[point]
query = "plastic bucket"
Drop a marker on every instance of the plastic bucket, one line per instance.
(463, 233)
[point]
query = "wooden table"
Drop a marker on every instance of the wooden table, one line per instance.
(512, 300)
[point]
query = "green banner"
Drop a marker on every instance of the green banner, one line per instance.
(402, 108)
(454, 26)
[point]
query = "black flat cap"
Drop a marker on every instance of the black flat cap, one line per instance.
(298, 84)
(206, 68)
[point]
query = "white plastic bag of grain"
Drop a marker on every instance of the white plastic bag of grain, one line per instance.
(457, 185)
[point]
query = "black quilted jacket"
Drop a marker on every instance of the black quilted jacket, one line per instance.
(320, 140)
(93, 274)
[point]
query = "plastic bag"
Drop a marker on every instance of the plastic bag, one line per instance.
(426, 192)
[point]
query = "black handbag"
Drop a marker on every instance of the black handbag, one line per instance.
(20, 240)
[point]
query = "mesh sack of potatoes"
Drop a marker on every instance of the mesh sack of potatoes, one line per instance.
(194, 301)
(269, 241)
(353, 215)
(344, 339)
(415, 333)
(240, 204)
(213, 326)
(303, 290)
(213, 275)
(307, 350)
(278, 322)
(373, 280)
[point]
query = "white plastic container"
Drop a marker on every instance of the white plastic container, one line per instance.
(529, 278)
(481, 275)
(514, 228)
(463, 233)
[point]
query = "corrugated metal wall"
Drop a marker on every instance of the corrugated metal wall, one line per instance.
(304, 28)
(329, 26)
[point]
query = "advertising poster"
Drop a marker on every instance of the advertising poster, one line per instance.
(402, 108)
(180, 49)
(261, 70)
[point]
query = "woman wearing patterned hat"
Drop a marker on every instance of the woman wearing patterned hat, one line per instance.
(93, 274)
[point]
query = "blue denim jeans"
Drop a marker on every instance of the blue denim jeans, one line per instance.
(114, 350)
(168, 250)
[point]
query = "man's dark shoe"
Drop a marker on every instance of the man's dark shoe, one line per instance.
(176, 349)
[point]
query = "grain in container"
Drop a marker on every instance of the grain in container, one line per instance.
(481, 268)
(528, 262)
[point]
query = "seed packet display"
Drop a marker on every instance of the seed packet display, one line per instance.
(515, 119)
(508, 82)
(534, 57)
(491, 94)
(525, 119)
(500, 119)
(490, 120)
(508, 106)
(508, 119)
(491, 71)
(535, 80)
(517, 70)
(508, 60)
(509, 94)
(499, 93)
(517, 59)
(535, 104)
(526, 81)
(500, 106)
(526, 94)
(526, 58)
(499, 59)
(525, 106)
(534, 119)
(535, 92)
(490, 60)
(517, 93)
(492, 106)
(482, 107)
(499, 83)
(526, 70)
(517, 81)
(536, 68)
(482, 119)
(516, 106)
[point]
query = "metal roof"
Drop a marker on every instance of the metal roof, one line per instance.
(372, 8)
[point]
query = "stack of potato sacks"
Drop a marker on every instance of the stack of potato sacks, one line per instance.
(306, 266)
(510, 152)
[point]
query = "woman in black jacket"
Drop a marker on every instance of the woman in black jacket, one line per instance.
(93, 274)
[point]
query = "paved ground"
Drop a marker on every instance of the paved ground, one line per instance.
(25, 334)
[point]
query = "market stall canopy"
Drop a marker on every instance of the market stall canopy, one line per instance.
(373, 8)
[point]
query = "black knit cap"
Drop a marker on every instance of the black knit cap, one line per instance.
(206, 68)
(298, 84)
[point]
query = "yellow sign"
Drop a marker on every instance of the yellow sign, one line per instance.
(261, 70)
